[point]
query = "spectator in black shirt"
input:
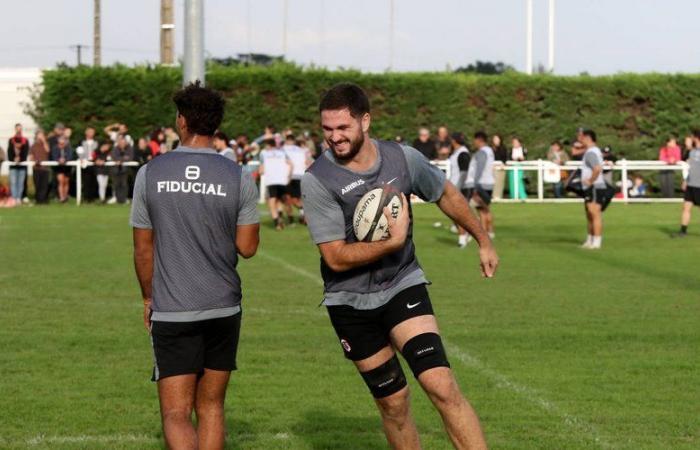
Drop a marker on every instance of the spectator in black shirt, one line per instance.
(425, 144)
(17, 152)
(121, 153)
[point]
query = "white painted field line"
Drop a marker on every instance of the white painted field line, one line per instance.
(135, 438)
(294, 312)
(582, 427)
(100, 439)
(292, 268)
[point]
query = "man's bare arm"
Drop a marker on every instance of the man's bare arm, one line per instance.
(342, 256)
(143, 263)
(455, 206)
(247, 239)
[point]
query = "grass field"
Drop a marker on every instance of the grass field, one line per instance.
(565, 349)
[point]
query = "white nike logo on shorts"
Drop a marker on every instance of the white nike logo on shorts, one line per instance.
(411, 306)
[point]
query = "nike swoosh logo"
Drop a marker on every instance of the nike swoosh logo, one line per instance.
(396, 178)
(411, 306)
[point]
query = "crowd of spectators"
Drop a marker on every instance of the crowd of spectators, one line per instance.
(438, 148)
(108, 180)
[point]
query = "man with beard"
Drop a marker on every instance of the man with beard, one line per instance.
(375, 292)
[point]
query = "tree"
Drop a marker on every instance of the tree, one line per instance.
(248, 59)
(486, 68)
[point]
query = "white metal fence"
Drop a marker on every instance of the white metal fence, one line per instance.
(545, 171)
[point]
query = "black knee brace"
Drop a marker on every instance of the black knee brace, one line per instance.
(424, 352)
(386, 379)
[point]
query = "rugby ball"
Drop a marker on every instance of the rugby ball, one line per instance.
(369, 222)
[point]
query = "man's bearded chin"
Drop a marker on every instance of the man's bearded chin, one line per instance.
(355, 147)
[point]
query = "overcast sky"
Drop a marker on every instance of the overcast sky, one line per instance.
(596, 36)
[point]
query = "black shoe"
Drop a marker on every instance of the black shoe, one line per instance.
(679, 234)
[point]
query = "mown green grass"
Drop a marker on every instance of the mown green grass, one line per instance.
(565, 349)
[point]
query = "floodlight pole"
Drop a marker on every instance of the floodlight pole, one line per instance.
(550, 65)
(391, 34)
(322, 33)
(248, 29)
(528, 40)
(285, 11)
(193, 63)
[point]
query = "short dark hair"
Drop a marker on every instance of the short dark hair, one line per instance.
(591, 134)
(345, 96)
(557, 143)
(481, 135)
(459, 138)
(203, 108)
(222, 136)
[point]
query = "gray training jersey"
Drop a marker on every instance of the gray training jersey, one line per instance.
(480, 173)
(331, 192)
(194, 199)
(693, 161)
(592, 158)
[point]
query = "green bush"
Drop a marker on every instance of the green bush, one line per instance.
(632, 113)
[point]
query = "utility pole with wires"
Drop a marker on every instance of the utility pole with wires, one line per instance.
(79, 52)
(96, 36)
(167, 28)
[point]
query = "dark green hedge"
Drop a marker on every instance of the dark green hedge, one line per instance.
(633, 113)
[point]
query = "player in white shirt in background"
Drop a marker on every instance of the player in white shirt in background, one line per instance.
(275, 172)
(459, 165)
(301, 159)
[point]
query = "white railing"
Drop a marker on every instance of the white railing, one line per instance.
(539, 166)
(78, 164)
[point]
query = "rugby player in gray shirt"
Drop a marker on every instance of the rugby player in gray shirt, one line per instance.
(691, 186)
(193, 213)
(595, 193)
(375, 292)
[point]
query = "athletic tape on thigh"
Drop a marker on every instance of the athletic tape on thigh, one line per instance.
(424, 352)
(386, 379)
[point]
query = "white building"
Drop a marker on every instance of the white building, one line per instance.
(15, 85)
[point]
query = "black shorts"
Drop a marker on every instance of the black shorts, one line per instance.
(65, 170)
(294, 189)
(601, 196)
(363, 333)
(692, 194)
(485, 194)
(181, 348)
(276, 191)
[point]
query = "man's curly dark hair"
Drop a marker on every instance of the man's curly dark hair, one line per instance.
(202, 108)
